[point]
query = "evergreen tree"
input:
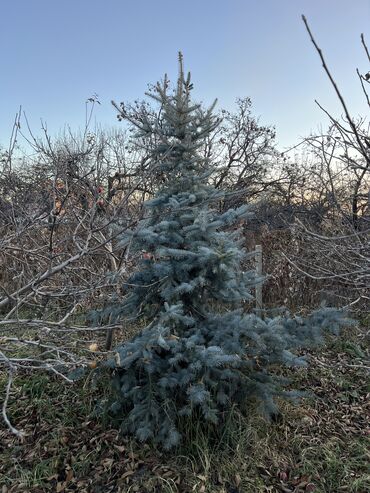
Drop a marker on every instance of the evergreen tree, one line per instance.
(200, 352)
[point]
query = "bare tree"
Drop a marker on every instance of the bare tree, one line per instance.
(62, 211)
(338, 252)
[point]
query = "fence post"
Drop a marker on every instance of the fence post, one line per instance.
(259, 274)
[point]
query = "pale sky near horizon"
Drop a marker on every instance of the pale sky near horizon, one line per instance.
(56, 54)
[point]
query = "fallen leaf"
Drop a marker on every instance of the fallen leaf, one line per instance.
(120, 448)
(69, 475)
(310, 487)
(283, 476)
(127, 474)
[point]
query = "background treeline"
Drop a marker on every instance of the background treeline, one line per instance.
(63, 205)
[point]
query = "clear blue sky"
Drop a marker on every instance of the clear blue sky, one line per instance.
(57, 53)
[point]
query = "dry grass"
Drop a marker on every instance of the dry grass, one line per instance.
(322, 445)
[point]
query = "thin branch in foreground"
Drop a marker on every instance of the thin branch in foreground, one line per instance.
(339, 94)
(365, 46)
(11, 372)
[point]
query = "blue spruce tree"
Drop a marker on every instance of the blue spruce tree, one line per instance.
(199, 353)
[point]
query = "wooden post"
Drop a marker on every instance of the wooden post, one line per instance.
(259, 274)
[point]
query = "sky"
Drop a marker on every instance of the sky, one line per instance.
(55, 54)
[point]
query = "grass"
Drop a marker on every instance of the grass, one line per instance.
(320, 445)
